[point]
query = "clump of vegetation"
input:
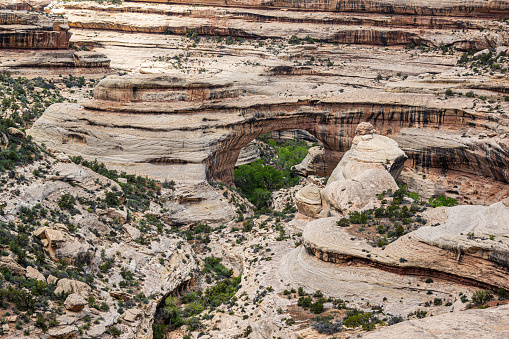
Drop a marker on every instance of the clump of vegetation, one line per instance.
(356, 318)
(327, 324)
(481, 297)
(259, 179)
(389, 221)
(442, 201)
(138, 190)
(485, 62)
(21, 102)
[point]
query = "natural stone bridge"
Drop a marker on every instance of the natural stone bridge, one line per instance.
(193, 128)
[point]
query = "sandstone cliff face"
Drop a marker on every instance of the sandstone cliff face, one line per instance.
(31, 30)
(434, 7)
(205, 137)
(37, 44)
(354, 24)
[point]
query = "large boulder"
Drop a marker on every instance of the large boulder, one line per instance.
(75, 302)
(33, 273)
(313, 163)
(369, 150)
(62, 246)
(370, 167)
(309, 200)
(63, 332)
(11, 265)
(357, 193)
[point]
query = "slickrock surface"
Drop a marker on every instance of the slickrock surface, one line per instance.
(471, 324)
(470, 246)
(361, 285)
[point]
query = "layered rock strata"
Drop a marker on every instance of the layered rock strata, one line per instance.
(248, 154)
(434, 7)
(36, 44)
(53, 63)
(320, 81)
(469, 246)
(454, 24)
(32, 30)
(208, 123)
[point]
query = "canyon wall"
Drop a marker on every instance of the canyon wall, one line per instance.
(434, 7)
(145, 123)
(455, 23)
(31, 30)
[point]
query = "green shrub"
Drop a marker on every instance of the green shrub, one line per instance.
(482, 296)
(316, 307)
(355, 318)
(442, 201)
(343, 222)
(259, 179)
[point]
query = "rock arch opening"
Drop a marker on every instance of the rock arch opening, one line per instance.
(221, 166)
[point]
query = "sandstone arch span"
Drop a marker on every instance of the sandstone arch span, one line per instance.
(194, 128)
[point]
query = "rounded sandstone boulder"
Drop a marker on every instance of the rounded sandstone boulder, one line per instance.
(309, 201)
(75, 302)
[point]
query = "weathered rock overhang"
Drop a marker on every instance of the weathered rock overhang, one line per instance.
(463, 261)
(213, 133)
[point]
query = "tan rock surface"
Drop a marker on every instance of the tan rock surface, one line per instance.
(359, 192)
(23, 29)
(471, 324)
(75, 302)
(460, 248)
(186, 152)
(10, 264)
(132, 314)
(313, 163)
(63, 332)
(309, 200)
(73, 287)
(358, 27)
(369, 150)
(33, 273)
(248, 154)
